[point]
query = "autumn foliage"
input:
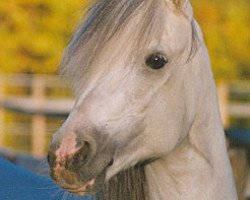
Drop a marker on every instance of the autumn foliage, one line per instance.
(33, 34)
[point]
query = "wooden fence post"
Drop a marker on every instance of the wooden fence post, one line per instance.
(2, 90)
(223, 94)
(38, 120)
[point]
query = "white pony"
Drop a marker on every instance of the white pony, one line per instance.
(146, 123)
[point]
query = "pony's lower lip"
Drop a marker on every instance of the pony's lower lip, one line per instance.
(81, 190)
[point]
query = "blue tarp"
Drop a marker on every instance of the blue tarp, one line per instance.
(17, 183)
(239, 137)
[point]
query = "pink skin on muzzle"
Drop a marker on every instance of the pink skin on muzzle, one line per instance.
(66, 179)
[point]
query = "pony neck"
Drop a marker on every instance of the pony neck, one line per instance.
(199, 167)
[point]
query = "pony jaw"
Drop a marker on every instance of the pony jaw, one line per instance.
(81, 190)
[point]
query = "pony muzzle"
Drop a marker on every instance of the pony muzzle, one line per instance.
(66, 159)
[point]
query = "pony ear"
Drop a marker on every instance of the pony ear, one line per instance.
(184, 6)
(180, 3)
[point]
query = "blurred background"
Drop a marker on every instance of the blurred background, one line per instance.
(34, 102)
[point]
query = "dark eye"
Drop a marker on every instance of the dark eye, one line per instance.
(156, 60)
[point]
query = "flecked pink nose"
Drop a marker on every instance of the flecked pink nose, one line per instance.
(79, 158)
(68, 155)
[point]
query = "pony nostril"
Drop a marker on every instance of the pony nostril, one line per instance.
(48, 158)
(81, 157)
(51, 160)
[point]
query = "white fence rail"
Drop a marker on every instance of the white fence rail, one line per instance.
(40, 106)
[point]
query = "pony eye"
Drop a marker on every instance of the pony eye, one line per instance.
(156, 60)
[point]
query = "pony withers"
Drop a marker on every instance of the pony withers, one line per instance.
(146, 122)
